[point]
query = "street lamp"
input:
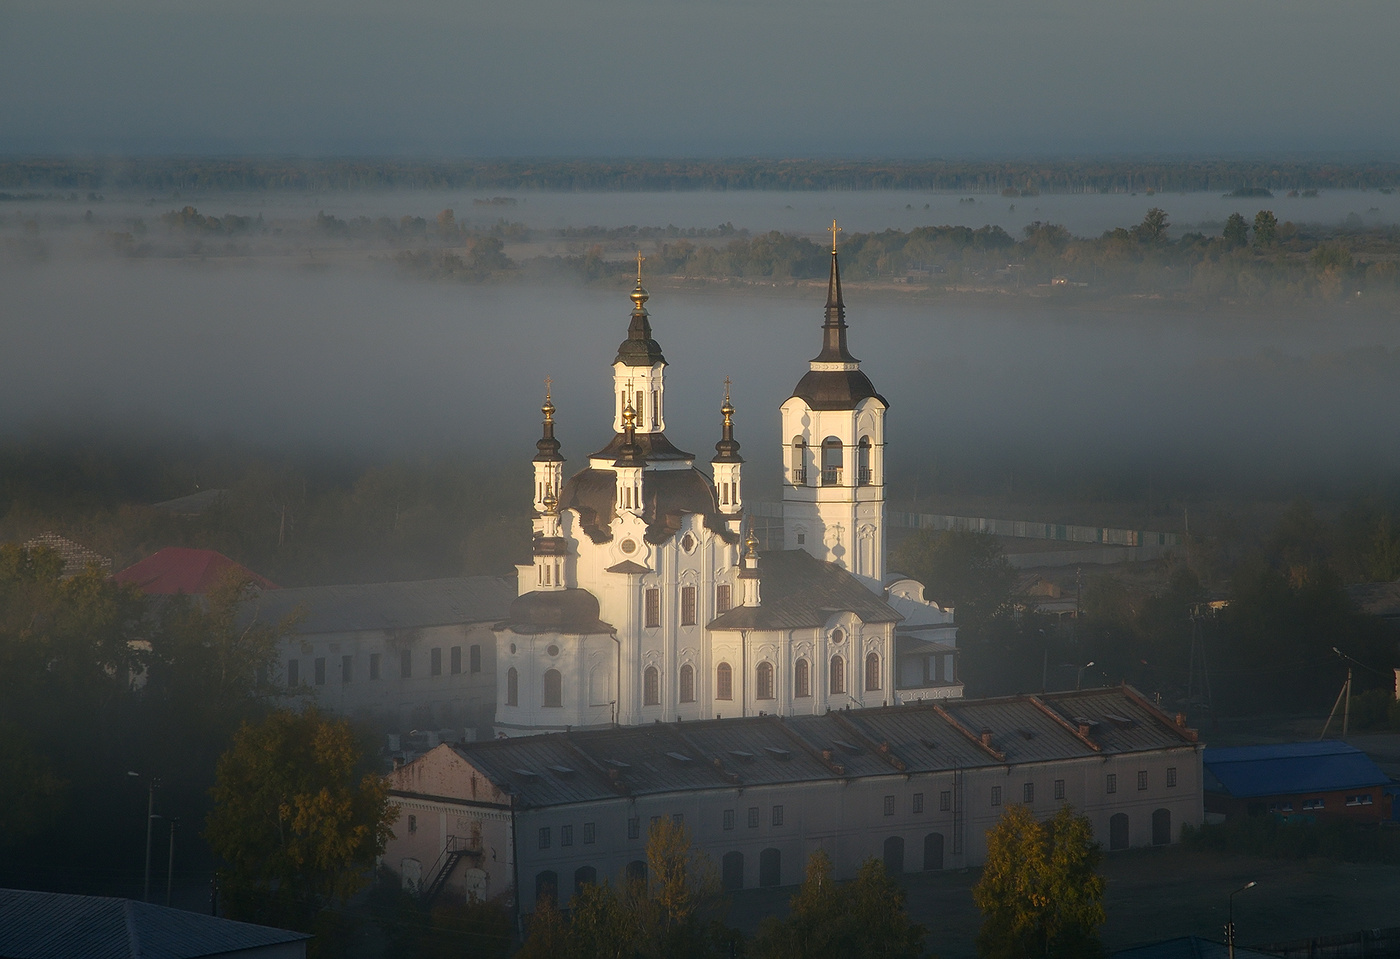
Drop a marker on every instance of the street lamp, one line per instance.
(1079, 680)
(150, 815)
(1230, 925)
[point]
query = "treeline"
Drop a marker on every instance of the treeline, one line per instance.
(298, 519)
(172, 174)
(1236, 625)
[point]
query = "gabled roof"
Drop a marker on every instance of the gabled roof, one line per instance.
(1289, 768)
(177, 569)
(934, 736)
(799, 591)
(378, 606)
(45, 925)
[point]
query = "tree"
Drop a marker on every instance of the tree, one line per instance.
(296, 822)
(863, 918)
(1040, 893)
(962, 569)
(1265, 228)
(1236, 231)
(1153, 228)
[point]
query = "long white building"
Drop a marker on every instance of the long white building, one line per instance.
(647, 598)
(916, 786)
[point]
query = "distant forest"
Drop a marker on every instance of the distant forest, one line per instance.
(1023, 177)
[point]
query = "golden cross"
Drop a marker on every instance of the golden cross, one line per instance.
(726, 389)
(640, 258)
(547, 383)
(833, 231)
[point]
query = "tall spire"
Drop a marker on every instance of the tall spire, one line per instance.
(639, 349)
(548, 446)
(727, 449)
(834, 349)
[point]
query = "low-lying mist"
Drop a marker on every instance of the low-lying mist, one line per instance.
(335, 358)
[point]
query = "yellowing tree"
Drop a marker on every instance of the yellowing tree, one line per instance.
(295, 821)
(1040, 893)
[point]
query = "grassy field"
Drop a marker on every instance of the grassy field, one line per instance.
(1155, 894)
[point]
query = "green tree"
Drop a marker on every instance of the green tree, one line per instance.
(1040, 893)
(865, 918)
(295, 820)
(1153, 228)
(1265, 228)
(962, 569)
(1236, 232)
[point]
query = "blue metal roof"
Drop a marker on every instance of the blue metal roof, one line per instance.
(1289, 768)
(45, 925)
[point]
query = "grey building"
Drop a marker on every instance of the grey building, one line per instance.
(400, 656)
(916, 785)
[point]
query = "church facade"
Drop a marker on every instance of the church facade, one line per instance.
(648, 599)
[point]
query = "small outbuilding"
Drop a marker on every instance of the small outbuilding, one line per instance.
(1320, 779)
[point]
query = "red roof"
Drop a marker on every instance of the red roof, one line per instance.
(176, 569)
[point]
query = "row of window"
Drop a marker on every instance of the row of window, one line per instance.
(832, 461)
(552, 693)
(652, 604)
(347, 665)
(640, 407)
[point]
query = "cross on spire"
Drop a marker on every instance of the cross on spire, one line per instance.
(833, 231)
(640, 258)
(726, 391)
(548, 382)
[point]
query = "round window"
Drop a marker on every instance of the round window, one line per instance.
(629, 546)
(512, 649)
(837, 636)
(553, 650)
(688, 543)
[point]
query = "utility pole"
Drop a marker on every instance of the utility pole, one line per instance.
(170, 866)
(150, 816)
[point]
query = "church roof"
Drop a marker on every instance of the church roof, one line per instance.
(588, 765)
(573, 611)
(801, 591)
(639, 349)
(667, 495)
(655, 447)
(379, 606)
(836, 389)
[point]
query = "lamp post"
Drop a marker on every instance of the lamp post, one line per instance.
(1230, 925)
(1079, 680)
(170, 866)
(150, 815)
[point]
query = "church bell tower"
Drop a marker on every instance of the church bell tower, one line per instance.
(834, 453)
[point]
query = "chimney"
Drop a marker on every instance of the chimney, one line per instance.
(1085, 729)
(987, 738)
(1181, 720)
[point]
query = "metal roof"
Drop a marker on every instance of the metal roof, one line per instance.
(371, 606)
(927, 736)
(800, 591)
(45, 925)
(1189, 947)
(1288, 768)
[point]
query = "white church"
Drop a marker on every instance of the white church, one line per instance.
(649, 600)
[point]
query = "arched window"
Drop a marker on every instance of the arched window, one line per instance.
(1161, 827)
(635, 875)
(1118, 831)
(546, 887)
(512, 687)
(799, 461)
(832, 454)
(764, 686)
(651, 687)
(872, 671)
(553, 688)
(894, 855)
(687, 683)
(584, 876)
(801, 678)
(933, 851)
(770, 868)
(863, 462)
(724, 681)
(838, 674)
(731, 871)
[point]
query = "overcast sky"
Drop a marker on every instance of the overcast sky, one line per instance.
(700, 77)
